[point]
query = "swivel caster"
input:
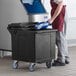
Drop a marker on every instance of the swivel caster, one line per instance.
(15, 64)
(32, 67)
(48, 64)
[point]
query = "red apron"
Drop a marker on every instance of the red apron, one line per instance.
(59, 21)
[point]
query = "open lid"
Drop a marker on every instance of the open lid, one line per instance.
(33, 6)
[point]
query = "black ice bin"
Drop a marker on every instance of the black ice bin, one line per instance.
(30, 45)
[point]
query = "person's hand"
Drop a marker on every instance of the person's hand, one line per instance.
(50, 21)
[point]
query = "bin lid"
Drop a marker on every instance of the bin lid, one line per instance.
(21, 25)
(26, 26)
(33, 6)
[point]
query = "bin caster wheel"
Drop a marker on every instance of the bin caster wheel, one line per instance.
(15, 64)
(32, 67)
(48, 64)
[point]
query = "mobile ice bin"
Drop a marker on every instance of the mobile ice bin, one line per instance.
(30, 45)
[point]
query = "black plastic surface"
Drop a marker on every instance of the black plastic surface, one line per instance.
(32, 45)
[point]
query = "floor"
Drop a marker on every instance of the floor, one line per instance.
(40, 69)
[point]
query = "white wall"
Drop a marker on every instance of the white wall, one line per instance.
(71, 25)
(71, 6)
(11, 11)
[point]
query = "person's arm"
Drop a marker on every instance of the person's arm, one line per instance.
(57, 11)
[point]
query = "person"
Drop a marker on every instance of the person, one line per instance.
(57, 20)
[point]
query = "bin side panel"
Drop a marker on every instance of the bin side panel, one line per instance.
(42, 47)
(23, 46)
(45, 46)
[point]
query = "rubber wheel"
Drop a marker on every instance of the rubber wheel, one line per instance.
(15, 64)
(48, 64)
(32, 67)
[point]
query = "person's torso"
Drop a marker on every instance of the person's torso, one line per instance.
(64, 1)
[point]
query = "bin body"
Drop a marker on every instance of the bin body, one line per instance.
(32, 45)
